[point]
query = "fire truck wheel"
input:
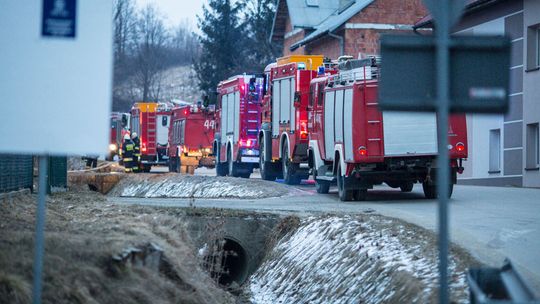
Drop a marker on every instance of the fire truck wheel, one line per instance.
(288, 168)
(264, 167)
(430, 190)
(360, 194)
(178, 164)
(406, 187)
(344, 194)
(173, 164)
(221, 169)
(233, 171)
(322, 187)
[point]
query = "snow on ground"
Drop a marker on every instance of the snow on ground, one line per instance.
(182, 186)
(355, 259)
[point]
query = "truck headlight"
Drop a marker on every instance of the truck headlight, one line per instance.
(112, 147)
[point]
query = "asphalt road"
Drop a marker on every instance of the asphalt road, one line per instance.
(490, 222)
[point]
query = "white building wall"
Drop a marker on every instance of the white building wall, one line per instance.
(479, 125)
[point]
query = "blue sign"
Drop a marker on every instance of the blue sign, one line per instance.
(59, 18)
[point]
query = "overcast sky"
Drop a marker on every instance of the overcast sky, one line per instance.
(177, 10)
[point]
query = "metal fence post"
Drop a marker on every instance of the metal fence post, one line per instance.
(443, 164)
(40, 227)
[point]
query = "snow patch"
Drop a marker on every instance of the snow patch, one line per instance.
(347, 260)
(178, 186)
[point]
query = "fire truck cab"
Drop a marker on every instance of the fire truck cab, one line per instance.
(283, 137)
(237, 125)
(151, 120)
(191, 136)
(357, 146)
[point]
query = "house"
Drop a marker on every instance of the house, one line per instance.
(341, 27)
(504, 149)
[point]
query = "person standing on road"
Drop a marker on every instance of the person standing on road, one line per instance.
(128, 154)
(136, 152)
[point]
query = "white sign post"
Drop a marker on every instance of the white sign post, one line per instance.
(55, 85)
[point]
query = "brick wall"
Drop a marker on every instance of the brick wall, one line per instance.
(361, 41)
(364, 41)
(288, 24)
(391, 11)
(327, 46)
(292, 40)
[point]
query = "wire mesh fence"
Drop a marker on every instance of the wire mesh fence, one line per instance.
(16, 172)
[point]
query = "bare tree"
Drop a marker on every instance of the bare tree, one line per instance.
(124, 35)
(144, 50)
(124, 27)
(185, 47)
(150, 58)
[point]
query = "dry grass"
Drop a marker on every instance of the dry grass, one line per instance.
(82, 235)
(285, 226)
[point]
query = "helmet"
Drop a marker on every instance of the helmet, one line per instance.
(134, 135)
(126, 137)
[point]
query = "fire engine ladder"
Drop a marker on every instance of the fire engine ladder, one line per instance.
(252, 116)
(151, 132)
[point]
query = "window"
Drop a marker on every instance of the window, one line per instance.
(533, 146)
(538, 47)
(533, 47)
(311, 95)
(495, 151)
(164, 121)
(321, 91)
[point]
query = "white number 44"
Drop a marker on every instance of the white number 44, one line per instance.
(209, 124)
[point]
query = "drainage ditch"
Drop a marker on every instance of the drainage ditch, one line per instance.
(231, 248)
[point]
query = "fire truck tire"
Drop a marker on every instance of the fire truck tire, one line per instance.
(321, 187)
(344, 194)
(174, 164)
(360, 195)
(406, 187)
(171, 164)
(264, 166)
(231, 165)
(288, 168)
(430, 190)
(221, 169)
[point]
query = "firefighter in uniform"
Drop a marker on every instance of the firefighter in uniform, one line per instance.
(136, 152)
(128, 153)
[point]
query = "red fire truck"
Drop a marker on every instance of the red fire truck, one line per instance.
(191, 136)
(283, 138)
(150, 120)
(119, 127)
(237, 125)
(357, 146)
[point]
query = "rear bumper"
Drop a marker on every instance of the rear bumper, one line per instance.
(154, 160)
(361, 178)
(249, 159)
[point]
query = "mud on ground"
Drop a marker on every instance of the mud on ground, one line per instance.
(83, 232)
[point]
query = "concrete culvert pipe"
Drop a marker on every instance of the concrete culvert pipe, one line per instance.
(233, 260)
